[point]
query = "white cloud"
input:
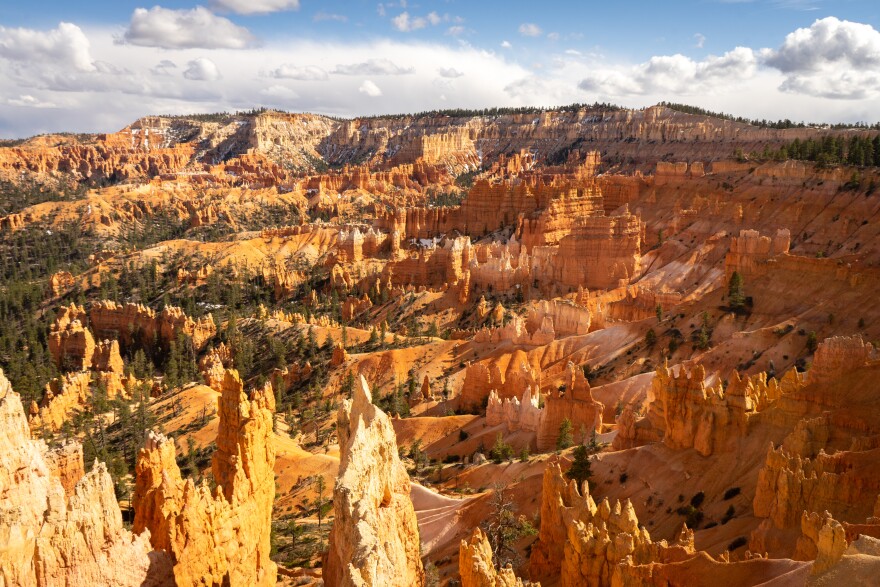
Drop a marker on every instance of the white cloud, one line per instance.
(310, 73)
(370, 89)
(280, 92)
(28, 101)
(700, 40)
(202, 69)
(373, 67)
(675, 74)
(832, 58)
(322, 16)
(455, 30)
(255, 6)
(404, 23)
(506, 45)
(449, 72)
(185, 29)
(65, 45)
(553, 36)
(114, 84)
(529, 29)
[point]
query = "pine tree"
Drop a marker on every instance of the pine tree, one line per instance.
(565, 438)
(580, 468)
(735, 296)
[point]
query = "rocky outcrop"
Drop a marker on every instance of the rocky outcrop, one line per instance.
(63, 395)
(128, 322)
(510, 379)
(374, 541)
(574, 403)
(516, 414)
(789, 485)
(106, 357)
(71, 344)
(687, 412)
(838, 355)
(59, 526)
(749, 252)
(582, 542)
(476, 568)
(60, 282)
(213, 365)
(339, 356)
(218, 537)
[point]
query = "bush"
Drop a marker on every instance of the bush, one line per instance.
(737, 543)
(697, 499)
(728, 515)
(731, 493)
(623, 477)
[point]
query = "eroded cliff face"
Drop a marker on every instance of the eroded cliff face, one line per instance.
(59, 526)
(374, 541)
(218, 537)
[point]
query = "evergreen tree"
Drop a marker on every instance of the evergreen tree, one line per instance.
(580, 468)
(735, 296)
(565, 438)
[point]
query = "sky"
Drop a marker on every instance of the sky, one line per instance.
(98, 66)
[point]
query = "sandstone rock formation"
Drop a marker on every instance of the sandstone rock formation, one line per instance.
(60, 528)
(125, 321)
(574, 403)
(374, 541)
(340, 356)
(582, 542)
(476, 567)
(215, 537)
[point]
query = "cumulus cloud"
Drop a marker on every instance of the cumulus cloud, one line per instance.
(370, 89)
(255, 6)
(506, 45)
(65, 45)
(832, 58)
(202, 69)
(373, 67)
(449, 72)
(309, 73)
(406, 23)
(185, 29)
(529, 29)
(676, 74)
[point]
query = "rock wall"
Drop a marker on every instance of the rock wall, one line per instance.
(60, 527)
(374, 541)
(125, 321)
(218, 537)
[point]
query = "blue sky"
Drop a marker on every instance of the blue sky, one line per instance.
(97, 66)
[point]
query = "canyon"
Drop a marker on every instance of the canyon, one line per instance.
(581, 346)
